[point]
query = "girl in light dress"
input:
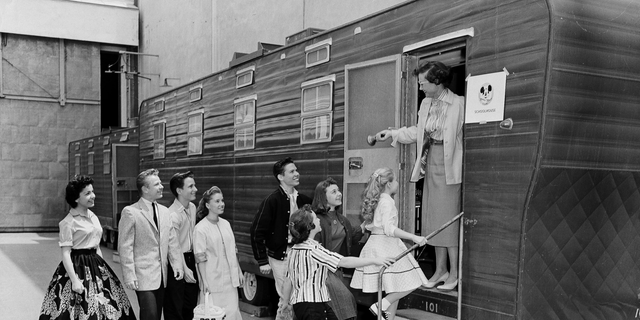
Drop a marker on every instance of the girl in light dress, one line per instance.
(381, 218)
(83, 286)
(214, 248)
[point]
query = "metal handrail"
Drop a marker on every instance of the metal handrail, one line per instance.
(404, 253)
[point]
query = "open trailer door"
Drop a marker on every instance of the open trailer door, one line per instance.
(372, 103)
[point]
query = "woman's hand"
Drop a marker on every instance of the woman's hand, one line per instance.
(420, 240)
(383, 135)
(241, 277)
(76, 286)
(385, 261)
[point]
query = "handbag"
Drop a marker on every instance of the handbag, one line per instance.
(207, 311)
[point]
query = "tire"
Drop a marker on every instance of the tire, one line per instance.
(257, 290)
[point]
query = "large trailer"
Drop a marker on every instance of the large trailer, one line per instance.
(550, 196)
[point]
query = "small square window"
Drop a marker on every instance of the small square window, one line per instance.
(317, 98)
(90, 163)
(106, 161)
(318, 53)
(124, 137)
(245, 137)
(194, 144)
(195, 93)
(158, 105)
(316, 129)
(244, 77)
(245, 112)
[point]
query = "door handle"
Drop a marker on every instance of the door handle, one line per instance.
(355, 163)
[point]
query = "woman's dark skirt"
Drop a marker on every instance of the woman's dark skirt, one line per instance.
(103, 296)
(342, 301)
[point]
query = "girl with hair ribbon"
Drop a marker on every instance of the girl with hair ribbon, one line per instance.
(381, 218)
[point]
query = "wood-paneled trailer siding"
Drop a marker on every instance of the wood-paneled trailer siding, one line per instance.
(499, 163)
(102, 183)
(526, 37)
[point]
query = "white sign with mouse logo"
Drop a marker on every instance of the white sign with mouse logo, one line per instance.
(485, 97)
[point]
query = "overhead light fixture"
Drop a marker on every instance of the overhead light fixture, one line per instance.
(166, 82)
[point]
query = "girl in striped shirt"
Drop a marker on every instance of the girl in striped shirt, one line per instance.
(309, 263)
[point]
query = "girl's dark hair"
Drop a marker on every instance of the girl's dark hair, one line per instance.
(320, 195)
(75, 187)
(436, 73)
(301, 224)
(202, 210)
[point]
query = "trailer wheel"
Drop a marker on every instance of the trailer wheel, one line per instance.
(256, 290)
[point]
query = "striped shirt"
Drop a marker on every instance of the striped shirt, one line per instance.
(309, 263)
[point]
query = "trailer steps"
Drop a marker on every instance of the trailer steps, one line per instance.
(416, 314)
(432, 301)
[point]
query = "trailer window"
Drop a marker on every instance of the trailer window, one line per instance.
(245, 137)
(195, 93)
(318, 53)
(244, 115)
(316, 110)
(244, 77)
(158, 105)
(194, 132)
(77, 164)
(158, 139)
(90, 166)
(106, 161)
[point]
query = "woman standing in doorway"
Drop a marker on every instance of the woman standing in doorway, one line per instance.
(439, 161)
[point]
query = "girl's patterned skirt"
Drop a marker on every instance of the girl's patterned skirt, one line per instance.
(103, 296)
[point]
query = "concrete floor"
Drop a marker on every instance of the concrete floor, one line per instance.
(27, 262)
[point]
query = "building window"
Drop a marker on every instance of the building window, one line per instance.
(318, 53)
(77, 164)
(195, 93)
(76, 146)
(90, 165)
(194, 132)
(158, 105)
(244, 77)
(106, 161)
(159, 139)
(316, 120)
(244, 114)
(106, 141)
(90, 145)
(124, 137)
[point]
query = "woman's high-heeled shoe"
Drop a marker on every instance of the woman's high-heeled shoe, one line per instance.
(448, 287)
(432, 284)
